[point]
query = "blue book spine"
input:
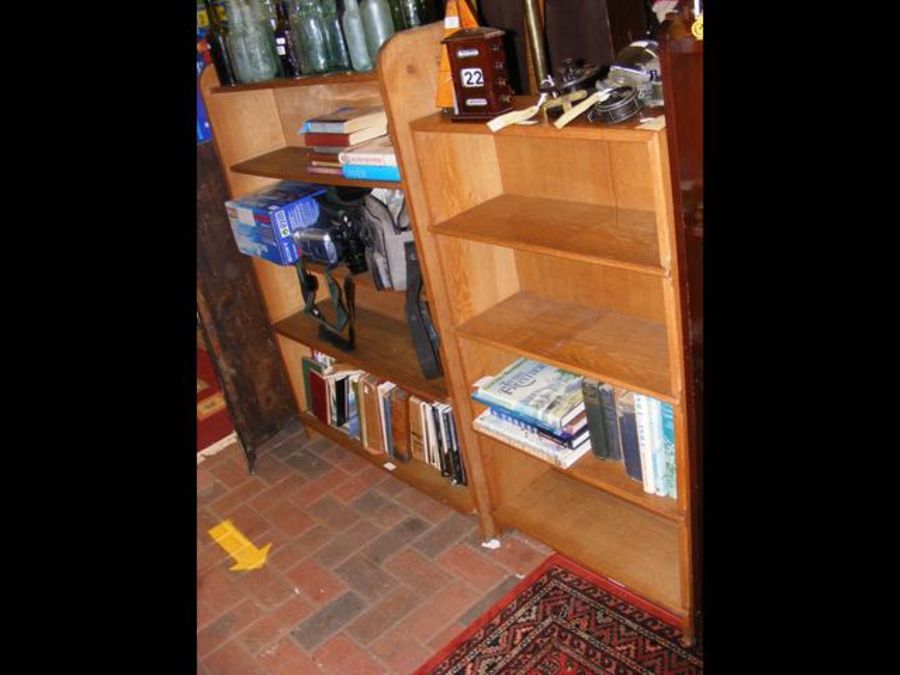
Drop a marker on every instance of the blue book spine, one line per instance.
(630, 448)
(608, 401)
(668, 425)
(517, 414)
(386, 412)
(362, 172)
(563, 438)
(658, 449)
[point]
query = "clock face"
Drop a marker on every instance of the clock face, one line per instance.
(471, 77)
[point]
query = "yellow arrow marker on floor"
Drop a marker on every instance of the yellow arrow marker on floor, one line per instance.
(245, 554)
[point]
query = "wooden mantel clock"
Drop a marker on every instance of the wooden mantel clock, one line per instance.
(480, 78)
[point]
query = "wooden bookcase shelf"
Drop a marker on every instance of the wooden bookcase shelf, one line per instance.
(631, 545)
(290, 164)
(622, 350)
(417, 474)
(255, 131)
(608, 476)
(383, 347)
(556, 245)
(580, 129)
(593, 233)
(302, 81)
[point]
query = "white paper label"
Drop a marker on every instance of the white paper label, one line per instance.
(471, 77)
(389, 466)
(451, 22)
(476, 102)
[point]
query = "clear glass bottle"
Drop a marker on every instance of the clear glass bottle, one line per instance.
(396, 14)
(312, 43)
(217, 39)
(250, 44)
(285, 44)
(337, 48)
(269, 11)
(412, 13)
(377, 24)
(356, 36)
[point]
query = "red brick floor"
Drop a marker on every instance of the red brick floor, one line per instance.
(365, 575)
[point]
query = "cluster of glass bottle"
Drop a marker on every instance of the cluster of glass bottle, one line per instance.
(264, 39)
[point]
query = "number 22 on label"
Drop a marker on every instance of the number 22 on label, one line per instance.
(472, 77)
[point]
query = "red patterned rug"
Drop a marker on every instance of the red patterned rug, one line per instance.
(213, 420)
(566, 620)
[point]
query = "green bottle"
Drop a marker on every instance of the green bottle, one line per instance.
(337, 48)
(312, 40)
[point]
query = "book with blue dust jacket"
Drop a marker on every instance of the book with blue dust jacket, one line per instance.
(668, 426)
(364, 172)
(656, 448)
(537, 392)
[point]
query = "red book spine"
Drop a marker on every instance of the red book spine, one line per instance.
(327, 140)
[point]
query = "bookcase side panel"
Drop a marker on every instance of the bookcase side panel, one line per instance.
(296, 105)
(408, 67)
(592, 285)
(477, 276)
(630, 166)
(458, 171)
(556, 168)
(292, 353)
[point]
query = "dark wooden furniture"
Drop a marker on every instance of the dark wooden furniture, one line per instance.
(232, 317)
(681, 61)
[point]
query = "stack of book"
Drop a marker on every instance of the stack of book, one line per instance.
(635, 429)
(536, 408)
(384, 418)
(559, 416)
(343, 131)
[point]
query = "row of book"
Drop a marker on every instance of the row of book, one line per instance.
(559, 417)
(351, 141)
(385, 418)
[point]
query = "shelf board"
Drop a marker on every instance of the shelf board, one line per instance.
(627, 544)
(618, 349)
(610, 476)
(289, 163)
(624, 238)
(418, 474)
(384, 347)
(579, 129)
(302, 81)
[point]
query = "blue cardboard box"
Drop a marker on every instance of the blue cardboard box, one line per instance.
(262, 223)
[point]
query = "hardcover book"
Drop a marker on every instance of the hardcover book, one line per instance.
(377, 152)
(318, 396)
(309, 364)
(572, 436)
(645, 440)
(315, 140)
(608, 397)
(590, 389)
(416, 429)
(361, 172)
(536, 391)
(371, 410)
(346, 120)
(658, 451)
(384, 404)
(628, 435)
(668, 425)
(529, 442)
(400, 424)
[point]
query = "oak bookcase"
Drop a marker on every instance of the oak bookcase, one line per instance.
(255, 132)
(554, 245)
